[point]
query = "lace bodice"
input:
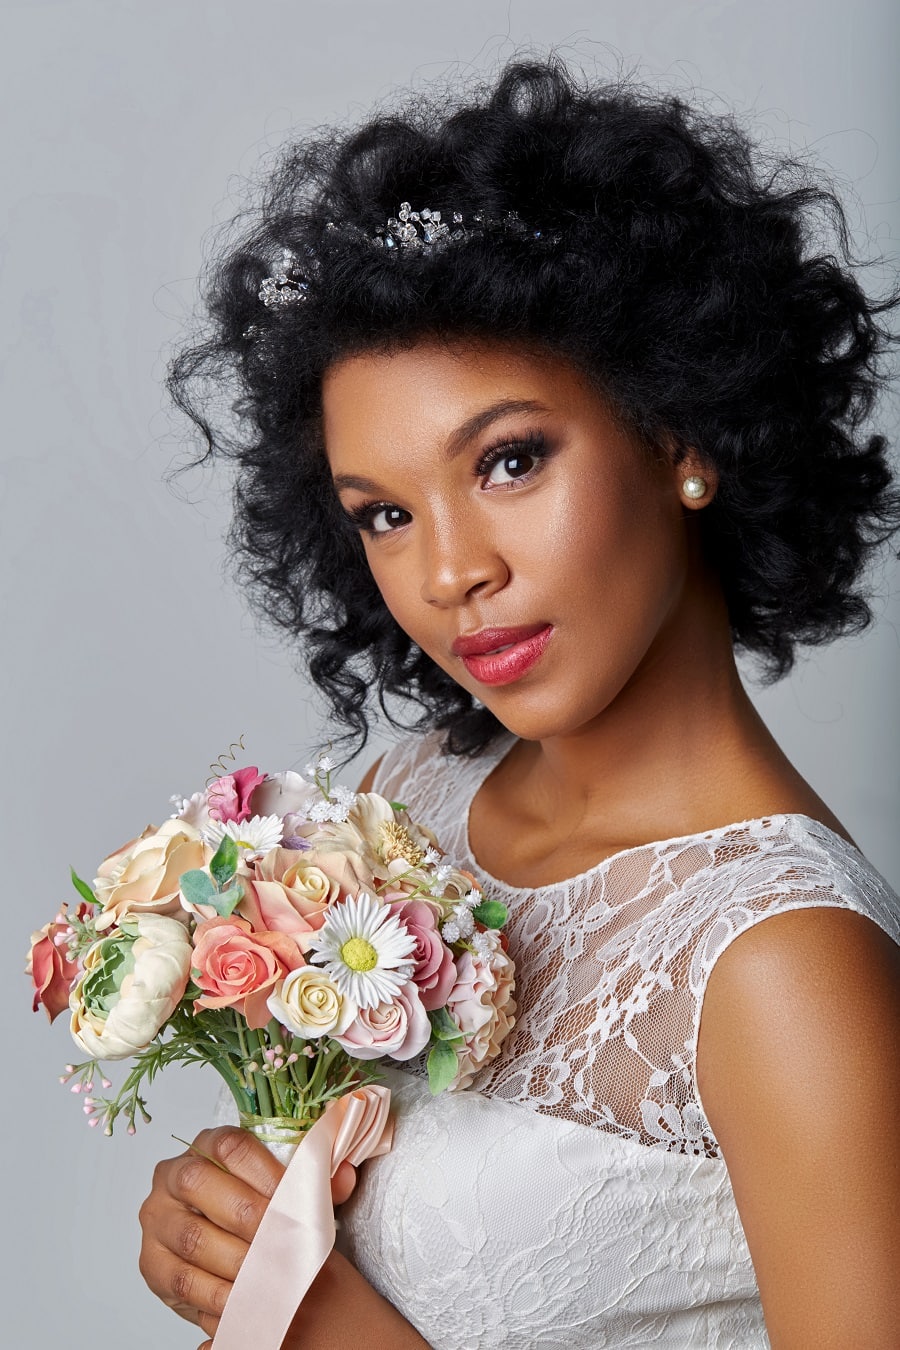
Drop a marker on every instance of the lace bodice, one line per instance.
(601, 1214)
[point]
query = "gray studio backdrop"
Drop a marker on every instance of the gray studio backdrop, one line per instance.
(130, 660)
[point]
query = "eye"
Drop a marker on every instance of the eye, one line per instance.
(514, 465)
(378, 517)
(513, 462)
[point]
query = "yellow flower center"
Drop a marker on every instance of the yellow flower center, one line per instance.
(396, 843)
(359, 954)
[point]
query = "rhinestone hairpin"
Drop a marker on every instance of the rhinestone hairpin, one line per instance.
(418, 229)
(424, 229)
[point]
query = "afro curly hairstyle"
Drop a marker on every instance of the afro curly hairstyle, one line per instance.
(709, 293)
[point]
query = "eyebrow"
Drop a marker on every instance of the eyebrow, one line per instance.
(464, 434)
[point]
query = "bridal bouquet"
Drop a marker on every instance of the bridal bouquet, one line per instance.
(289, 933)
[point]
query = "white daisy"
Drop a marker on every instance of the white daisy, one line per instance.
(364, 949)
(254, 837)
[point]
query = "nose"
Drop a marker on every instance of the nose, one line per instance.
(457, 564)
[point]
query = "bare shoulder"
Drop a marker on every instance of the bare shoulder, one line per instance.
(799, 1073)
(368, 781)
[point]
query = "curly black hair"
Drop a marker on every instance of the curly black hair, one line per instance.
(709, 292)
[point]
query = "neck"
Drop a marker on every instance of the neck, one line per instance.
(679, 749)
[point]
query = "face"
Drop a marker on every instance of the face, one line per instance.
(531, 546)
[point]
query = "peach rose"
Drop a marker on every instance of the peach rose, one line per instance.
(399, 1029)
(237, 968)
(289, 892)
(482, 1005)
(142, 877)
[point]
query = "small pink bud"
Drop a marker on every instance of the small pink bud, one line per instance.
(279, 1063)
(292, 1058)
(132, 1130)
(76, 1087)
(279, 1049)
(106, 1082)
(309, 1052)
(69, 1068)
(253, 1067)
(89, 1087)
(88, 1110)
(270, 1055)
(94, 1120)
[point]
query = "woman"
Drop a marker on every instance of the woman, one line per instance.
(539, 465)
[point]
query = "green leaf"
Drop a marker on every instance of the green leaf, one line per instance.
(397, 806)
(225, 861)
(443, 1026)
(83, 888)
(492, 913)
(226, 902)
(442, 1066)
(198, 887)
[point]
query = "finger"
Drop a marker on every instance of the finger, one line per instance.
(188, 1290)
(200, 1186)
(194, 1239)
(343, 1183)
(209, 1324)
(243, 1156)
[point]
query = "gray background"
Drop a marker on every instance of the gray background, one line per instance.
(130, 660)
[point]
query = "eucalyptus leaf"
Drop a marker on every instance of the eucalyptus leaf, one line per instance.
(442, 1066)
(492, 913)
(443, 1026)
(225, 902)
(82, 888)
(225, 861)
(198, 887)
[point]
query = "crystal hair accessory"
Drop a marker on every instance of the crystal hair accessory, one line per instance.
(424, 230)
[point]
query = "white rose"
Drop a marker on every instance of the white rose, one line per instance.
(311, 1005)
(144, 967)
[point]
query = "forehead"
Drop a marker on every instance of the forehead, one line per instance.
(432, 388)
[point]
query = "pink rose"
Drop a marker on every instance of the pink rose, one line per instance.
(435, 972)
(399, 1029)
(51, 971)
(482, 1005)
(229, 797)
(237, 968)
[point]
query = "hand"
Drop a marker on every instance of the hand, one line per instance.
(201, 1216)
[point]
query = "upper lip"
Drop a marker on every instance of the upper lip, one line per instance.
(489, 639)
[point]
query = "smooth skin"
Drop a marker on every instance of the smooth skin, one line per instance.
(496, 488)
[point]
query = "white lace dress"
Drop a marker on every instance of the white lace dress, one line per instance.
(575, 1196)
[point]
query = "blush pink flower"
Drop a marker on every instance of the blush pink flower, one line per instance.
(237, 968)
(51, 971)
(482, 1005)
(229, 797)
(289, 891)
(399, 1029)
(435, 972)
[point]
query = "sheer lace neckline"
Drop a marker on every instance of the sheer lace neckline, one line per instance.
(773, 821)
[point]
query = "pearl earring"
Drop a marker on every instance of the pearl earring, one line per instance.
(695, 488)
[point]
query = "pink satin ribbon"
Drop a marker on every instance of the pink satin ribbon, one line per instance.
(297, 1231)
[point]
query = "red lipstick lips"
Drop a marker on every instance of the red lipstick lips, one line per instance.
(501, 655)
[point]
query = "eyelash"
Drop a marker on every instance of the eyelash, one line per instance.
(533, 444)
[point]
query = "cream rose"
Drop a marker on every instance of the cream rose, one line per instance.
(310, 1005)
(142, 877)
(133, 980)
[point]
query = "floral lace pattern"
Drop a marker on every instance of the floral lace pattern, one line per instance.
(602, 1215)
(612, 965)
